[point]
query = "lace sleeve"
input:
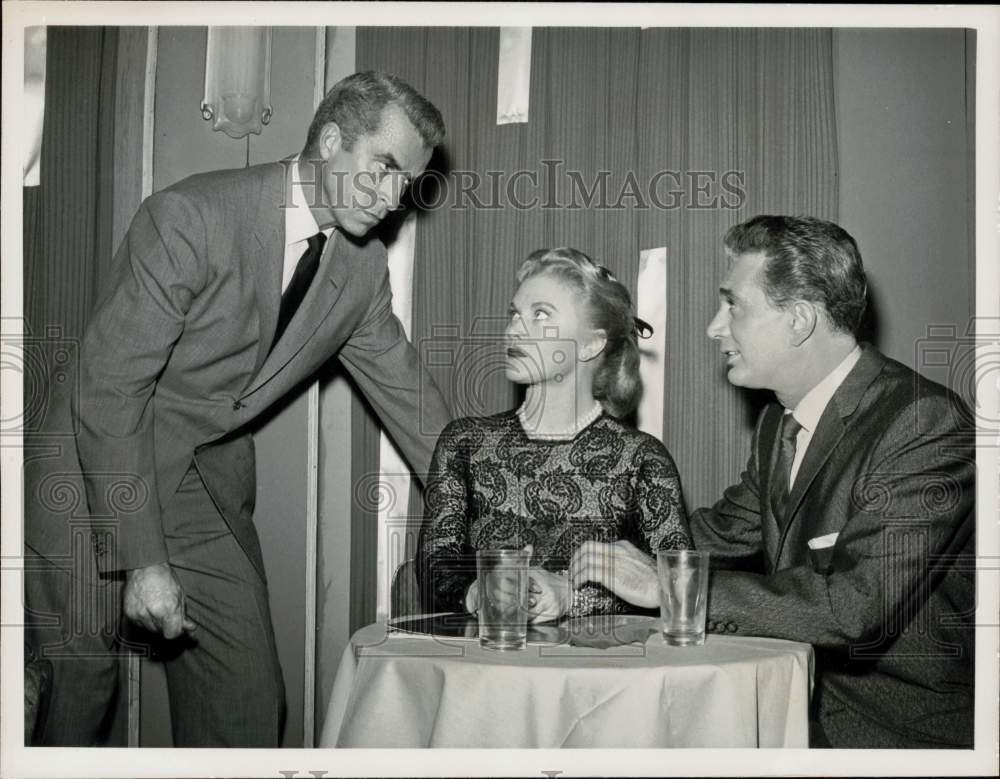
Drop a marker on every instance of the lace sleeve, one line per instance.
(662, 517)
(446, 564)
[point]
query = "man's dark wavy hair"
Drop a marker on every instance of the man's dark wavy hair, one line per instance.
(807, 259)
(355, 103)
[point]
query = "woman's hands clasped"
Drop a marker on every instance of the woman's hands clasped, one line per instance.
(621, 567)
(549, 595)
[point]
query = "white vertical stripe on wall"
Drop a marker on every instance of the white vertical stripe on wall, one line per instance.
(333, 575)
(312, 486)
(514, 75)
(341, 53)
(651, 305)
(149, 98)
(33, 106)
(394, 474)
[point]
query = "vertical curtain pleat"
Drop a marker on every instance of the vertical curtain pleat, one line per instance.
(69, 216)
(68, 222)
(104, 179)
(437, 308)
(499, 233)
(127, 133)
(687, 128)
(591, 100)
(364, 513)
(34, 266)
(617, 240)
(444, 235)
(77, 182)
(34, 363)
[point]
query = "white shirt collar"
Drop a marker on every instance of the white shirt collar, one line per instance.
(812, 406)
(300, 224)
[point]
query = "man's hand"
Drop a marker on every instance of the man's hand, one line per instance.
(154, 599)
(621, 567)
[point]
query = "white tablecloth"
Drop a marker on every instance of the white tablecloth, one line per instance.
(420, 691)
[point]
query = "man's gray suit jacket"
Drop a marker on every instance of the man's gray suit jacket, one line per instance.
(177, 361)
(891, 469)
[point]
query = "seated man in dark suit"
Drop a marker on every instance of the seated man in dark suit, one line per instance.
(849, 527)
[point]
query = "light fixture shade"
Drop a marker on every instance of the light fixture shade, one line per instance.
(238, 80)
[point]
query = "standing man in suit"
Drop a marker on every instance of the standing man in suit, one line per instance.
(853, 526)
(230, 289)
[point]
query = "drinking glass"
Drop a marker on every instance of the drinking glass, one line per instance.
(503, 598)
(683, 575)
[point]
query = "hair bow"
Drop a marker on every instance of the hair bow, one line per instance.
(642, 328)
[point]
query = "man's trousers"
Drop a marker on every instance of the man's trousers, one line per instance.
(224, 680)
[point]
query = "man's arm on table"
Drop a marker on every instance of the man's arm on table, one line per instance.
(730, 531)
(871, 579)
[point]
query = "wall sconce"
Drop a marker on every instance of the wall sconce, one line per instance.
(238, 80)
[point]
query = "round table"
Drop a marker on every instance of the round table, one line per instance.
(404, 690)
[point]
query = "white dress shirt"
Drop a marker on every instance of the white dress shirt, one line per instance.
(812, 406)
(300, 225)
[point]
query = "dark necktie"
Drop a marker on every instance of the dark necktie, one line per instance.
(305, 271)
(783, 467)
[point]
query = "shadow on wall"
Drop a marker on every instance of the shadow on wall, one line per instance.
(426, 194)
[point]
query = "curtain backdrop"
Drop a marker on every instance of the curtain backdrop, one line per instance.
(89, 188)
(68, 217)
(759, 103)
(727, 123)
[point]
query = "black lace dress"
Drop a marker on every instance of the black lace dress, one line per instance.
(491, 486)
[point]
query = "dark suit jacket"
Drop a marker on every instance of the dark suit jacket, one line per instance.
(177, 361)
(891, 468)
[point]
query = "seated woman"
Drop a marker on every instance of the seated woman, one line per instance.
(562, 469)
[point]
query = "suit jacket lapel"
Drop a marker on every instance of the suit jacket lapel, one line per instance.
(824, 440)
(268, 249)
(323, 294)
(769, 439)
(829, 431)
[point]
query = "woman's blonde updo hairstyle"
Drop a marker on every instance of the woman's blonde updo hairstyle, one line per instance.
(608, 307)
